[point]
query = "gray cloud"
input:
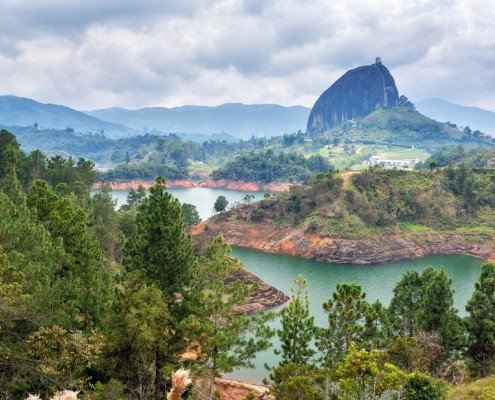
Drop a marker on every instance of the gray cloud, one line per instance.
(125, 53)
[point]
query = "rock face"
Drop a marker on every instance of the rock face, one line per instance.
(357, 93)
(384, 248)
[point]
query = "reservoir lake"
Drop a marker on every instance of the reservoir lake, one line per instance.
(280, 270)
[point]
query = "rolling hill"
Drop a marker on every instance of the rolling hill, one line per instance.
(442, 110)
(20, 111)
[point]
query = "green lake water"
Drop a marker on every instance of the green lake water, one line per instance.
(280, 271)
(377, 281)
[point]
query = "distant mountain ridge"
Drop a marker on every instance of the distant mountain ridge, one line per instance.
(443, 110)
(235, 119)
(21, 111)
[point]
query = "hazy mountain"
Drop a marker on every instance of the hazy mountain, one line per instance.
(355, 94)
(442, 110)
(239, 120)
(21, 111)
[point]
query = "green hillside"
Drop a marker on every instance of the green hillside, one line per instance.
(461, 155)
(343, 205)
(407, 127)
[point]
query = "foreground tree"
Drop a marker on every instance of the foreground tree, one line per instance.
(298, 381)
(163, 254)
(481, 322)
(139, 337)
(62, 357)
(437, 313)
(105, 223)
(91, 286)
(226, 336)
(348, 312)
(298, 327)
(403, 309)
(363, 375)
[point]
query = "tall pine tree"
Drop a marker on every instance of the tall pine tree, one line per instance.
(347, 312)
(481, 322)
(226, 336)
(298, 328)
(163, 254)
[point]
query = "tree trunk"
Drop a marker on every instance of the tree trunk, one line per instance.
(158, 379)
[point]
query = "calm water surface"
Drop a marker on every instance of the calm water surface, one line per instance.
(202, 198)
(280, 271)
(377, 282)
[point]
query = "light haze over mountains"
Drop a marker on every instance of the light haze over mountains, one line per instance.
(234, 119)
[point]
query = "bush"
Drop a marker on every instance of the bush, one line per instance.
(424, 387)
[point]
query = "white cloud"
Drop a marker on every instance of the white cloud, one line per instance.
(124, 53)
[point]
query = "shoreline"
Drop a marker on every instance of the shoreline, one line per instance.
(381, 249)
(238, 390)
(211, 184)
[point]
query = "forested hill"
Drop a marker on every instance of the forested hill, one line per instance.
(460, 155)
(384, 198)
(403, 125)
(266, 167)
(377, 215)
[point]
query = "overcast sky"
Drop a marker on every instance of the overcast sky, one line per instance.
(92, 54)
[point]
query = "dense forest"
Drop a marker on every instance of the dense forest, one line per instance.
(108, 302)
(268, 167)
(114, 303)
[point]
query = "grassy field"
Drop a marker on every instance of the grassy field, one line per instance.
(354, 155)
(407, 153)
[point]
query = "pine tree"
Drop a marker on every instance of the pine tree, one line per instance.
(481, 322)
(163, 253)
(403, 309)
(161, 249)
(190, 214)
(347, 312)
(90, 272)
(105, 223)
(139, 336)
(298, 328)
(227, 337)
(437, 313)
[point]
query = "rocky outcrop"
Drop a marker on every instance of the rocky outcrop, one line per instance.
(357, 93)
(235, 390)
(383, 248)
(264, 297)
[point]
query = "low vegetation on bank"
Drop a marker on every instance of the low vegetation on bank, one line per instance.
(357, 205)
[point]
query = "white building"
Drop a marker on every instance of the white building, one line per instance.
(384, 162)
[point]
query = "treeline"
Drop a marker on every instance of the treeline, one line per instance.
(411, 350)
(477, 158)
(146, 171)
(269, 166)
(109, 302)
